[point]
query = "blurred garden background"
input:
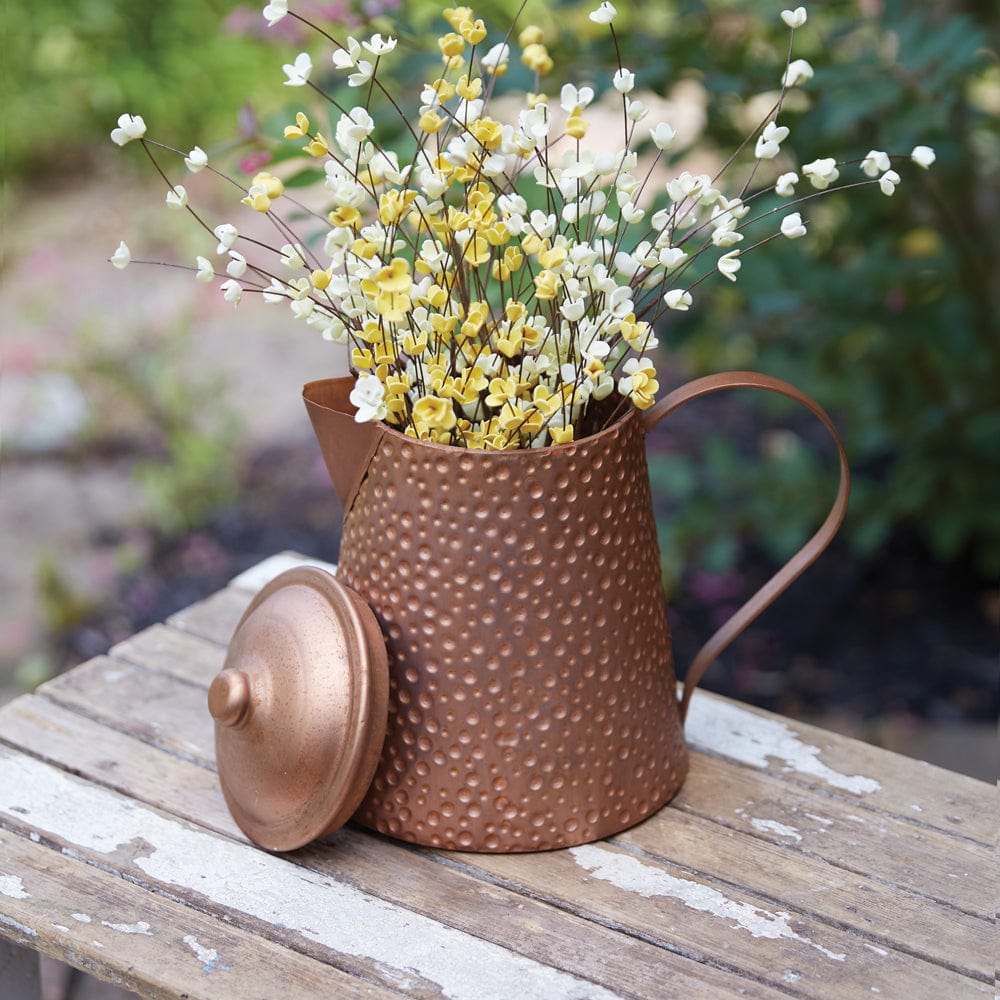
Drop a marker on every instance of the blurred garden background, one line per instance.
(154, 442)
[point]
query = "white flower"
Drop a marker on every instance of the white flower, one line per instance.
(226, 235)
(923, 156)
(347, 58)
(663, 135)
(275, 11)
(298, 72)
(875, 163)
(379, 46)
(630, 213)
(635, 110)
(769, 141)
(129, 127)
(232, 291)
(497, 58)
(363, 75)
(291, 256)
(794, 18)
(604, 14)
(572, 312)
(206, 272)
(784, 186)
(368, 395)
(196, 160)
(821, 173)
(624, 81)
(792, 226)
(887, 182)
(678, 299)
(177, 197)
(122, 257)
(570, 98)
(353, 128)
(237, 265)
(798, 71)
(729, 264)
(725, 237)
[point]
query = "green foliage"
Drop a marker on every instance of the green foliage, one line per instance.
(887, 312)
(73, 66)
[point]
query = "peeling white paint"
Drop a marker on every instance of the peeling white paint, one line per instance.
(208, 957)
(753, 739)
(97, 944)
(877, 950)
(820, 819)
(82, 917)
(34, 838)
(398, 941)
(772, 826)
(138, 928)
(916, 809)
(19, 927)
(853, 818)
(12, 887)
(113, 675)
(632, 875)
(62, 928)
(791, 976)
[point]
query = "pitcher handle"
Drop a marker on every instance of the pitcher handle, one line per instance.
(802, 559)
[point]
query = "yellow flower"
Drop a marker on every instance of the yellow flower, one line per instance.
(561, 435)
(395, 276)
(554, 257)
(472, 31)
(477, 251)
(530, 35)
(536, 57)
(273, 187)
(445, 92)
(487, 132)
(318, 146)
(533, 100)
(443, 327)
(321, 279)
(509, 343)
(431, 122)
(468, 89)
(300, 129)
(502, 390)
(415, 344)
(511, 262)
(451, 45)
(576, 127)
(434, 413)
(437, 297)
(364, 249)
(547, 284)
(345, 217)
(362, 358)
(393, 206)
(456, 15)
(257, 199)
(475, 318)
(533, 243)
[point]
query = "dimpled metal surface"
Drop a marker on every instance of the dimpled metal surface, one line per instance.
(532, 693)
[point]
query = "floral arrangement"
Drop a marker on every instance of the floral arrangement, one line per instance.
(503, 286)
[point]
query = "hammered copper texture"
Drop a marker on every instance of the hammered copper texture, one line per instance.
(532, 693)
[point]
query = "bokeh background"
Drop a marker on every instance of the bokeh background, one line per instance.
(154, 443)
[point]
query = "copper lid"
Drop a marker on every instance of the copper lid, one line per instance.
(300, 709)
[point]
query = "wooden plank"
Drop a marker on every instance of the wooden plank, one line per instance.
(125, 935)
(171, 714)
(159, 709)
(214, 618)
(789, 879)
(715, 922)
(896, 852)
(171, 651)
(282, 901)
(378, 866)
(864, 776)
(776, 874)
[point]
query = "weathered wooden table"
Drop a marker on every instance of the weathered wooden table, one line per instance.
(793, 863)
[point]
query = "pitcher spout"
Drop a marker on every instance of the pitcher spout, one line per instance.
(347, 446)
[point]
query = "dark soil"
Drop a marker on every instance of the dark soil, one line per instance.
(896, 635)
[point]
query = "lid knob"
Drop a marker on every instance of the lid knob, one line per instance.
(229, 697)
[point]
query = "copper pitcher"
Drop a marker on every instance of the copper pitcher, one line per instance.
(532, 695)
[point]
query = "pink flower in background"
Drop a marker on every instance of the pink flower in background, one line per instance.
(252, 163)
